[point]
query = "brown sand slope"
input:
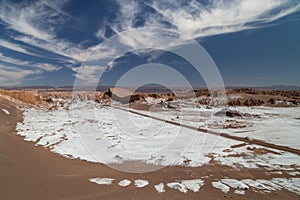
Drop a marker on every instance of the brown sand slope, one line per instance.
(34, 173)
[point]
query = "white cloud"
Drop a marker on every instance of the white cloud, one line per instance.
(37, 24)
(15, 47)
(21, 19)
(191, 19)
(12, 60)
(43, 66)
(88, 74)
(13, 75)
(127, 14)
(197, 20)
(60, 47)
(20, 49)
(47, 67)
(38, 19)
(14, 71)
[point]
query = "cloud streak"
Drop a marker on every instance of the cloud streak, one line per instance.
(15, 47)
(192, 19)
(43, 66)
(36, 25)
(11, 75)
(14, 71)
(197, 20)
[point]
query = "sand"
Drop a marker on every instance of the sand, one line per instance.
(31, 172)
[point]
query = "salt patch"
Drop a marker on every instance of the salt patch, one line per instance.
(102, 181)
(292, 184)
(124, 183)
(6, 111)
(235, 184)
(141, 183)
(193, 185)
(256, 184)
(160, 188)
(241, 192)
(221, 186)
(178, 186)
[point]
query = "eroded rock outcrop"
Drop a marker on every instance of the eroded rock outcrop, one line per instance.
(234, 113)
(124, 96)
(31, 97)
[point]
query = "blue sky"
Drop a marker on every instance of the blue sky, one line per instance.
(252, 42)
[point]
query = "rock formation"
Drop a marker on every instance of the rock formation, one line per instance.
(123, 96)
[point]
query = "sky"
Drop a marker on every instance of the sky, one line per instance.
(54, 43)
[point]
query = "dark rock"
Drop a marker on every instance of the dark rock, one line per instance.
(234, 113)
(49, 100)
(170, 99)
(272, 101)
(229, 113)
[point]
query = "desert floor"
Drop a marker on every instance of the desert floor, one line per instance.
(31, 172)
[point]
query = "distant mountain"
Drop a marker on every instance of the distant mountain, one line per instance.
(147, 88)
(278, 87)
(27, 88)
(271, 87)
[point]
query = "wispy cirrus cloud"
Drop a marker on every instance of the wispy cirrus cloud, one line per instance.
(58, 47)
(195, 19)
(15, 47)
(12, 60)
(88, 74)
(11, 75)
(36, 25)
(24, 20)
(219, 17)
(191, 19)
(15, 71)
(43, 66)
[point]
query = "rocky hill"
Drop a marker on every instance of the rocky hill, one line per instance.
(234, 97)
